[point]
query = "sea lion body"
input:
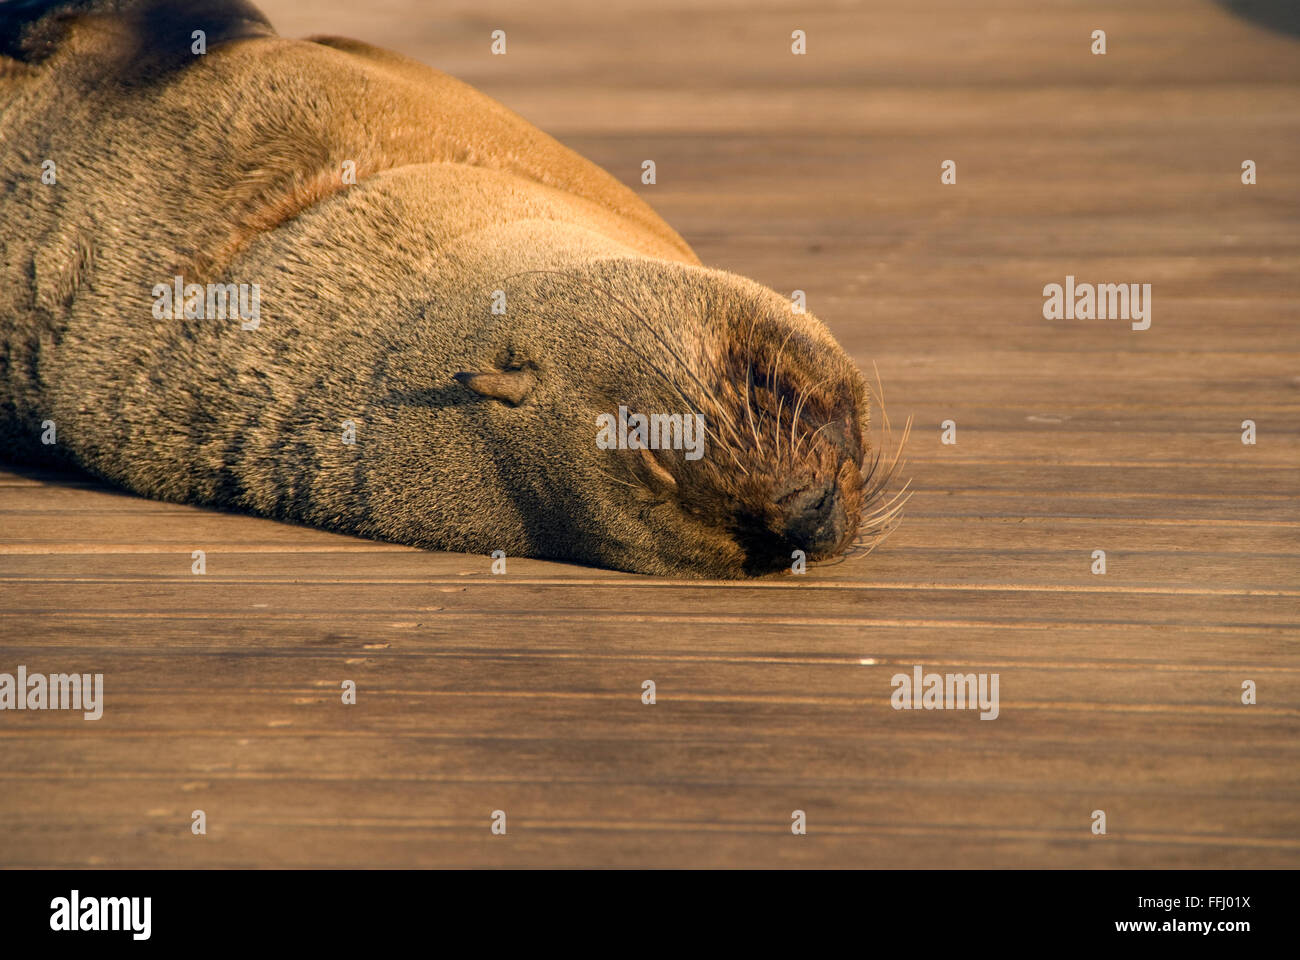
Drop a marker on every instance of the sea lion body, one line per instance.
(382, 391)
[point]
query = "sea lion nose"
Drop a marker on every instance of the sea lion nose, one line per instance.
(815, 519)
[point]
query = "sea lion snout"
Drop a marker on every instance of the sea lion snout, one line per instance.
(816, 520)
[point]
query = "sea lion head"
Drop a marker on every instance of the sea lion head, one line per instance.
(599, 393)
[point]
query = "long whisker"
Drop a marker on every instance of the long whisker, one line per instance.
(749, 382)
(805, 394)
(776, 430)
(607, 476)
(636, 351)
(773, 378)
(655, 333)
(719, 407)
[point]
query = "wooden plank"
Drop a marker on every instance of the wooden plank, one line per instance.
(521, 692)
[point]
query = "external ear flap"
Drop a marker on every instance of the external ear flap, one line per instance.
(657, 476)
(510, 386)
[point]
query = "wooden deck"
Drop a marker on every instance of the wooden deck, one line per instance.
(1119, 692)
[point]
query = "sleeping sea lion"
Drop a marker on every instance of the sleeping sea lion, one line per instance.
(323, 283)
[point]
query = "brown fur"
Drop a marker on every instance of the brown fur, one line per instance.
(475, 430)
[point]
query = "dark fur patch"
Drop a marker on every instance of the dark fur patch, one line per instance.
(161, 30)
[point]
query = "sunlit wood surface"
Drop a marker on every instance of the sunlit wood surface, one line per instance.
(1119, 692)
